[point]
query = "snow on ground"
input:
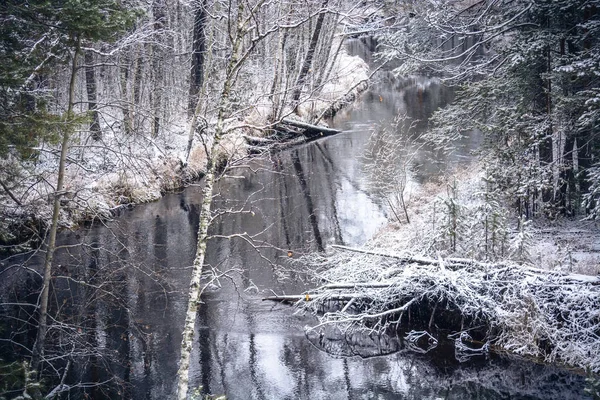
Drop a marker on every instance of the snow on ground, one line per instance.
(124, 169)
(101, 175)
(507, 300)
(568, 245)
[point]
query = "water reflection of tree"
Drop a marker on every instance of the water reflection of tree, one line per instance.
(113, 298)
(437, 374)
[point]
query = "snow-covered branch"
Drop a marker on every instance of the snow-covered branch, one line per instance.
(520, 309)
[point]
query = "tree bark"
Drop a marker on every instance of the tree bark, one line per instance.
(127, 111)
(158, 7)
(205, 217)
(38, 348)
(277, 76)
(198, 53)
(309, 57)
(90, 85)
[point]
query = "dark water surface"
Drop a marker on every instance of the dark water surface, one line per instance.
(130, 311)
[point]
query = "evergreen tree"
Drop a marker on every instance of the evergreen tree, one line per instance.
(36, 36)
(527, 74)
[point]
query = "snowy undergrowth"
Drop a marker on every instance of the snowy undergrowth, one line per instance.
(103, 175)
(455, 216)
(465, 262)
(100, 175)
(524, 310)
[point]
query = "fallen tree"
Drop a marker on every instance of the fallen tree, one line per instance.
(520, 309)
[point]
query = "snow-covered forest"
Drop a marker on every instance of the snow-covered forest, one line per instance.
(106, 104)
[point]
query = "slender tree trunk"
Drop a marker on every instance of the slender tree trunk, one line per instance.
(309, 57)
(136, 93)
(127, 112)
(38, 348)
(198, 56)
(90, 85)
(548, 153)
(277, 75)
(326, 52)
(205, 217)
(198, 107)
(158, 9)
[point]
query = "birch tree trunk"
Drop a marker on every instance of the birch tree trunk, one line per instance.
(205, 217)
(38, 348)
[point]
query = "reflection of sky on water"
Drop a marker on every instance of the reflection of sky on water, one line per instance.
(353, 206)
(313, 195)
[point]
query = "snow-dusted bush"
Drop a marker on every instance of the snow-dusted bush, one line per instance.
(520, 309)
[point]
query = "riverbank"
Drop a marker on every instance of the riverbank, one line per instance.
(121, 170)
(526, 288)
(454, 216)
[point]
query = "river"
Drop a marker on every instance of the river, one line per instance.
(127, 317)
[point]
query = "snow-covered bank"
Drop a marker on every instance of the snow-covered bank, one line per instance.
(122, 169)
(521, 310)
(455, 216)
(466, 269)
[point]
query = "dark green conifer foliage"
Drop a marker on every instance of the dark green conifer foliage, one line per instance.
(35, 36)
(529, 74)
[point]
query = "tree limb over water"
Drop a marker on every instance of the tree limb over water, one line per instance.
(520, 309)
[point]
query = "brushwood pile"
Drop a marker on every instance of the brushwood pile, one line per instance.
(553, 316)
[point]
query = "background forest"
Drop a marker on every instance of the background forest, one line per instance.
(132, 90)
(528, 73)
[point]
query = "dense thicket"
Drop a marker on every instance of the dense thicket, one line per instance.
(528, 73)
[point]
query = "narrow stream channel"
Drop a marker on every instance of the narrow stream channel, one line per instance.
(137, 266)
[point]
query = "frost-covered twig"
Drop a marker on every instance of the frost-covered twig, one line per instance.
(523, 310)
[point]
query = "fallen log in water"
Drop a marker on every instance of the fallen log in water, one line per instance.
(517, 308)
(288, 133)
(455, 263)
(310, 127)
(308, 297)
(448, 262)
